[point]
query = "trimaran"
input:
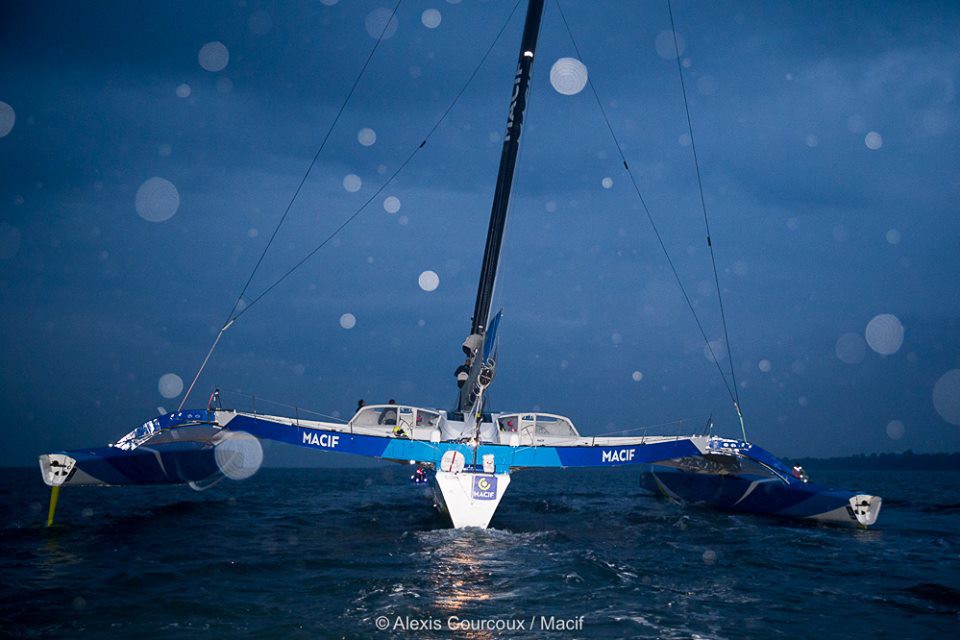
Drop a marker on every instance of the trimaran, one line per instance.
(470, 452)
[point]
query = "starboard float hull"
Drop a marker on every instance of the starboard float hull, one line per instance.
(762, 494)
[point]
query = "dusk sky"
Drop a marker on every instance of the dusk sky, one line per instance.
(147, 151)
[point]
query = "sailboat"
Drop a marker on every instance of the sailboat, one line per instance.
(469, 451)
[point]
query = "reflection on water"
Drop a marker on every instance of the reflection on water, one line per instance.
(302, 553)
(53, 559)
(457, 573)
(467, 570)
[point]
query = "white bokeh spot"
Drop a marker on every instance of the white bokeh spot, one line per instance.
(8, 117)
(367, 136)
(873, 140)
(352, 182)
(665, 46)
(568, 76)
(946, 396)
(170, 385)
(157, 200)
(431, 18)
(348, 321)
(214, 56)
(238, 455)
(391, 204)
(429, 280)
(884, 334)
(381, 21)
(714, 351)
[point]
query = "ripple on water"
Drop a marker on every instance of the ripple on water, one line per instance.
(330, 552)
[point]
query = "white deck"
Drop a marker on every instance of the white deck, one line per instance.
(513, 429)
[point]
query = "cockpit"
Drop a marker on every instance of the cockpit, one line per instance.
(516, 429)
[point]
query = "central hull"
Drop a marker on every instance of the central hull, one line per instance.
(469, 498)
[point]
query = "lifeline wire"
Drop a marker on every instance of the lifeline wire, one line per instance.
(231, 318)
(653, 224)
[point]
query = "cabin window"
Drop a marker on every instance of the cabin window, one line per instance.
(508, 423)
(377, 416)
(550, 426)
(427, 418)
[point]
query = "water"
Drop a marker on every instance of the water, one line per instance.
(318, 553)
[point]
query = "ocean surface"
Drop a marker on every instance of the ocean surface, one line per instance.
(296, 553)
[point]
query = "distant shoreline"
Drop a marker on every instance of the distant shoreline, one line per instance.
(907, 460)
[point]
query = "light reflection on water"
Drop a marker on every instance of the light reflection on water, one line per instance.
(315, 553)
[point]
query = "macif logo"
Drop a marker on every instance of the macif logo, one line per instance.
(484, 487)
(513, 103)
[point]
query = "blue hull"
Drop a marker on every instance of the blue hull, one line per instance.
(761, 494)
(168, 463)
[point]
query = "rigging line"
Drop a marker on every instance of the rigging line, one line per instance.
(403, 165)
(646, 210)
(293, 199)
(703, 206)
(316, 156)
(233, 318)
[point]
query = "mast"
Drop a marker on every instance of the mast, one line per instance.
(467, 374)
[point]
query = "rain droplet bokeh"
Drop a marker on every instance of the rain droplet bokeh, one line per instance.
(873, 140)
(431, 18)
(214, 56)
(946, 396)
(8, 118)
(665, 46)
(352, 182)
(884, 334)
(568, 76)
(157, 200)
(170, 385)
(381, 21)
(391, 204)
(429, 280)
(367, 136)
